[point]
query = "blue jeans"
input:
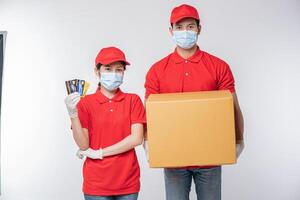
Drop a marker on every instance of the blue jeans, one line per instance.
(117, 197)
(207, 183)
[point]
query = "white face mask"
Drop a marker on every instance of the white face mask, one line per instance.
(185, 39)
(111, 81)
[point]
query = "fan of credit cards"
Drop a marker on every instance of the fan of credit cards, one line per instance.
(77, 85)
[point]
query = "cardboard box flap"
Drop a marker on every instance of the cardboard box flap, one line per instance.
(218, 94)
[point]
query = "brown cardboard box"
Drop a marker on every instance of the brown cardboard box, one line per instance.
(191, 129)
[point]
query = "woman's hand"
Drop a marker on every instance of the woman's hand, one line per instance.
(90, 153)
(71, 102)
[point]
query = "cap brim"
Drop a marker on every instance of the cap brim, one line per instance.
(107, 62)
(182, 17)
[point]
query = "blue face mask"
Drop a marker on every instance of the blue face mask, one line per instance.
(111, 81)
(185, 39)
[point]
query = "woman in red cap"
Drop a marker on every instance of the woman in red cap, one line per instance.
(106, 126)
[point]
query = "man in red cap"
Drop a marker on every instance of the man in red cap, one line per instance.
(190, 69)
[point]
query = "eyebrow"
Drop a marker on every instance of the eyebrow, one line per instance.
(192, 23)
(119, 65)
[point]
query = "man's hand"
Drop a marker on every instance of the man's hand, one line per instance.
(145, 145)
(71, 102)
(90, 153)
(239, 148)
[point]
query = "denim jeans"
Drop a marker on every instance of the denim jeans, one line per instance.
(207, 183)
(117, 197)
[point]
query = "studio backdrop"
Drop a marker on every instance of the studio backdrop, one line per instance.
(50, 42)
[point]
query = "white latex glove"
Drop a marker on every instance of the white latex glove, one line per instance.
(79, 154)
(71, 102)
(93, 154)
(239, 148)
(145, 145)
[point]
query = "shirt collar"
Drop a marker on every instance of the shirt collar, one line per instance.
(101, 98)
(194, 58)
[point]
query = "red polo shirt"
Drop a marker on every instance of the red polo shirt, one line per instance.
(108, 122)
(200, 72)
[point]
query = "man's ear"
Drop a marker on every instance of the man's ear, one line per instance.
(199, 29)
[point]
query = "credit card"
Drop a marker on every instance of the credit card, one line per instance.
(77, 85)
(68, 87)
(73, 85)
(85, 88)
(80, 86)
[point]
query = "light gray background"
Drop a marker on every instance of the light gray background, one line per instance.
(52, 41)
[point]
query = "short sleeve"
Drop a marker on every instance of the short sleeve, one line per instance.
(138, 114)
(225, 78)
(151, 83)
(83, 114)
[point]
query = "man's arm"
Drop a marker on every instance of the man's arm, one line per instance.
(239, 120)
(151, 87)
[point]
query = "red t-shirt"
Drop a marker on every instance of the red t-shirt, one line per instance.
(200, 72)
(108, 122)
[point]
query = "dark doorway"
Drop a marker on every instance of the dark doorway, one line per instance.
(1, 66)
(2, 48)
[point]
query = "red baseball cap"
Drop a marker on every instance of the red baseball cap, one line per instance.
(109, 55)
(183, 11)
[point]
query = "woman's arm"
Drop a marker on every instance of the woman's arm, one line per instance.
(80, 135)
(128, 143)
